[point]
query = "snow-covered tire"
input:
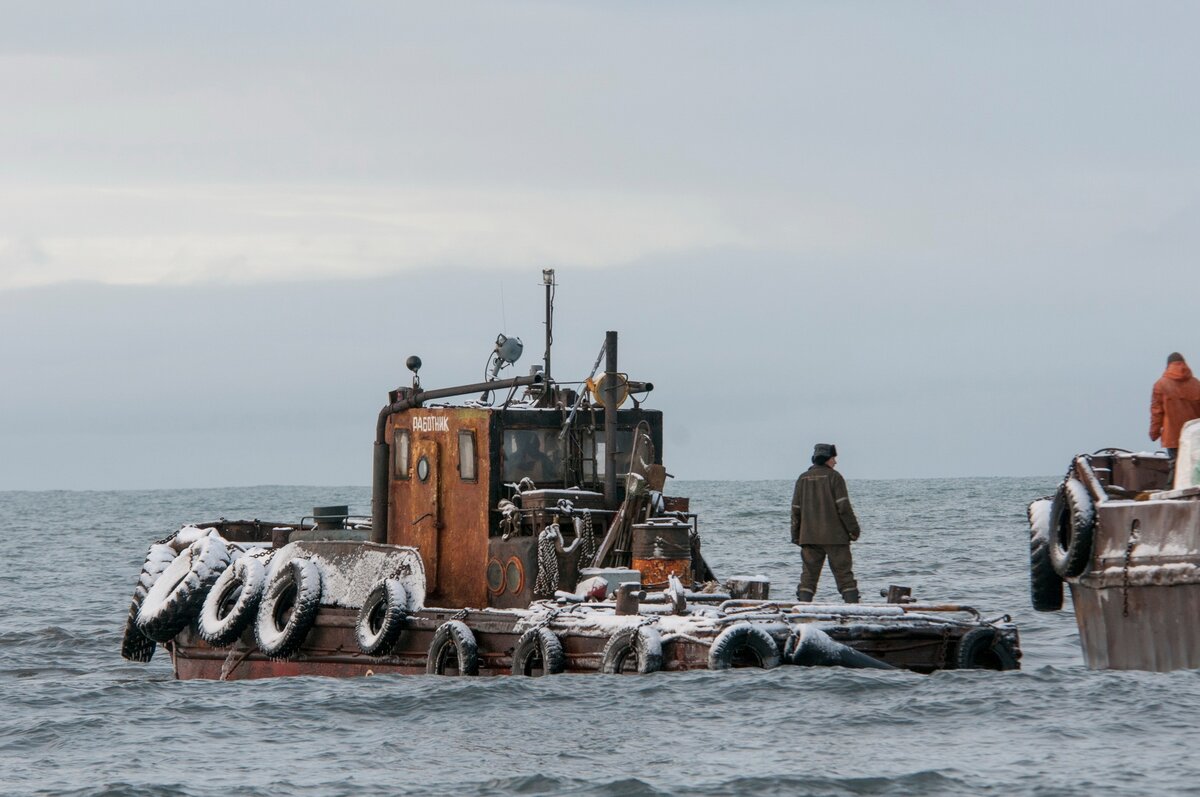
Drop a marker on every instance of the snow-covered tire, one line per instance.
(296, 586)
(1045, 585)
(175, 598)
(985, 649)
(538, 651)
(641, 644)
(136, 646)
(232, 603)
(742, 644)
(453, 648)
(1072, 526)
(381, 618)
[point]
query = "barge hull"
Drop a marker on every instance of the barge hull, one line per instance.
(1138, 627)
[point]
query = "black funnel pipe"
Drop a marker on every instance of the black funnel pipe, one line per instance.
(379, 471)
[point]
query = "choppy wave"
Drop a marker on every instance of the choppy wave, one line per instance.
(77, 721)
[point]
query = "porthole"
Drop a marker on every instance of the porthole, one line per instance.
(495, 576)
(514, 576)
(423, 469)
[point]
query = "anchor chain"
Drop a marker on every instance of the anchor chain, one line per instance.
(1133, 534)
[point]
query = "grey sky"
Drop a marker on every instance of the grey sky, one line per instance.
(955, 239)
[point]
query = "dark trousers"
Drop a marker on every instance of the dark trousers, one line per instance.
(1171, 454)
(840, 562)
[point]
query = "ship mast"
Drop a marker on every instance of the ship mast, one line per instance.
(548, 281)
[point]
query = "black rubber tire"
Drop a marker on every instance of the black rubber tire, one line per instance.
(642, 643)
(136, 646)
(985, 649)
(381, 618)
(295, 585)
(1072, 526)
(453, 639)
(538, 649)
(732, 645)
(175, 598)
(232, 603)
(1045, 584)
(809, 646)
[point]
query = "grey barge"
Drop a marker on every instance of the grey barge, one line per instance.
(1127, 545)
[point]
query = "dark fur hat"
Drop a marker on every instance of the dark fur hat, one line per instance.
(823, 452)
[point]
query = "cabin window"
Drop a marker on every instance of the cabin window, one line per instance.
(593, 451)
(534, 453)
(466, 456)
(400, 454)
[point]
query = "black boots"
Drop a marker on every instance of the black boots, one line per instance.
(806, 595)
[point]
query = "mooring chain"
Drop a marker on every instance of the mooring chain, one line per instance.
(944, 647)
(589, 538)
(545, 621)
(401, 569)
(1133, 533)
(547, 562)
(461, 614)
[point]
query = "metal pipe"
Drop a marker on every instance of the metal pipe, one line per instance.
(379, 468)
(610, 418)
(548, 279)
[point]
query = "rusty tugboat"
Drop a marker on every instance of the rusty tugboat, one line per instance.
(1125, 537)
(523, 530)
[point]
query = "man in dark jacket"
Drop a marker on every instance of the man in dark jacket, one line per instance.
(823, 525)
(1174, 401)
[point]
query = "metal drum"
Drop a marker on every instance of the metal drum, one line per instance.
(662, 549)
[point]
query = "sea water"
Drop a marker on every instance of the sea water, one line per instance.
(75, 719)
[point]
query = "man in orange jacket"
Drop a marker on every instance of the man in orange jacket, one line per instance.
(1174, 401)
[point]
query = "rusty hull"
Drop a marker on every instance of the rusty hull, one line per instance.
(331, 648)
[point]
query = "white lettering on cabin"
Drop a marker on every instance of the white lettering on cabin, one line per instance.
(430, 423)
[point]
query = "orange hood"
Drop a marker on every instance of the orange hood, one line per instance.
(1178, 371)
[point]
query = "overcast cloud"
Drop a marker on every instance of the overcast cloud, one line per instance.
(956, 239)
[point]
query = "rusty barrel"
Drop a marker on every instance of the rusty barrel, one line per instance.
(662, 549)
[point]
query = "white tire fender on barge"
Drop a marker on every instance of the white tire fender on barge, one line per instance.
(178, 592)
(295, 586)
(232, 603)
(453, 647)
(381, 618)
(641, 643)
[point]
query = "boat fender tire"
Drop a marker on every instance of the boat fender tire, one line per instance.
(232, 603)
(296, 585)
(136, 646)
(453, 639)
(381, 618)
(642, 643)
(1045, 584)
(738, 640)
(985, 649)
(175, 598)
(809, 646)
(538, 645)
(1072, 525)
